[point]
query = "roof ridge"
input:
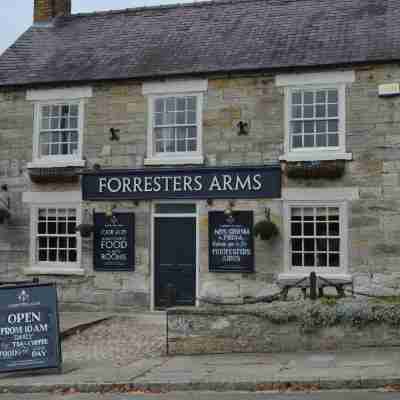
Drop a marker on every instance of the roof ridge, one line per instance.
(193, 4)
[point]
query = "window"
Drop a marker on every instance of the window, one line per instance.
(175, 125)
(59, 130)
(56, 239)
(315, 109)
(315, 240)
(55, 246)
(175, 122)
(58, 126)
(314, 118)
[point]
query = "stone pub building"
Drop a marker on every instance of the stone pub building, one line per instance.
(208, 150)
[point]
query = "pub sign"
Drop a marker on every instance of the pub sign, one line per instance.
(231, 241)
(29, 328)
(114, 242)
(183, 183)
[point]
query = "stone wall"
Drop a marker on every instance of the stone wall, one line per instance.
(202, 331)
(372, 136)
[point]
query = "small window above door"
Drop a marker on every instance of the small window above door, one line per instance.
(175, 208)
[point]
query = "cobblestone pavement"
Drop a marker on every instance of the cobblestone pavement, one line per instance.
(120, 341)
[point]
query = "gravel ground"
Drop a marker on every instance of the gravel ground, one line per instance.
(120, 341)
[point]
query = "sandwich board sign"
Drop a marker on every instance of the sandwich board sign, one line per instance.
(29, 328)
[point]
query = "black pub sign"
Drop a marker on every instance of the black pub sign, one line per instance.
(183, 183)
(231, 241)
(29, 328)
(114, 242)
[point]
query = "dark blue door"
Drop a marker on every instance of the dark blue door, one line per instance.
(175, 259)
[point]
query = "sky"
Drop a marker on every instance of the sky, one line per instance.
(16, 15)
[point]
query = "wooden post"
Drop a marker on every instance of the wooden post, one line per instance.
(313, 286)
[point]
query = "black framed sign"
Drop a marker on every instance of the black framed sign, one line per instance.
(29, 328)
(231, 241)
(183, 183)
(114, 242)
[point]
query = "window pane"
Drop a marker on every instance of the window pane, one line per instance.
(333, 140)
(297, 260)
(73, 110)
(159, 105)
(322, 260)
(308, 112)
(191, 117)
(308, 140)
(297, 245)
(333, 125)
(296, 111)
(309, 259)
(73, 123)
(297, 141)
(297, 127)
(321, 97)
(332, 96)
(332, 110)
(296, 98)
(181, 104)
(308, 97)
(321, 140)
(320, 111)
(309, 127)
(309, 245)
(334, 260)
(180, 117)
(192, 145)
(45, 111)
(296, 229)
(172, 208)
(170, 104)
(191, 103)
(321, 126)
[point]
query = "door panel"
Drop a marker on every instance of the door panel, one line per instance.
(175, 259)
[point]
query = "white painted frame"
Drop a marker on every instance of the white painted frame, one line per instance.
(175, 88)
(42, 97)
(54, 268)
(155, 215)
(344, 238)
(57, 159)
(316, 81)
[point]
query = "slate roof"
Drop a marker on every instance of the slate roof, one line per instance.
(205, 37)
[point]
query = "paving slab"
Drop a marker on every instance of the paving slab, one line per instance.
(361, 369)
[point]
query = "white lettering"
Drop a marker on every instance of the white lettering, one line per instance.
(126, 185)
(215, 185)
(112, 182)
(240, 185)
(257, 185)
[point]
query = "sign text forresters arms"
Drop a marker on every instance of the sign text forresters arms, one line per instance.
(200, 183)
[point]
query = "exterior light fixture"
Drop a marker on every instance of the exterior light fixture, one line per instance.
(229, 210)
(210, 202)
(114, 134)
(243, 128)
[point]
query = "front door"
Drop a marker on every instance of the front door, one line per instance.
(175, 259)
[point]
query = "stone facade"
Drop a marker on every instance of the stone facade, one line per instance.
(372, 137)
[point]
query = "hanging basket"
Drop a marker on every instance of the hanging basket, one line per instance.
(85, 230)
(265, 229)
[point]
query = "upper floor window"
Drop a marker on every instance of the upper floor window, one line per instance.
(315, 109)
(58, 126)
(175, 122)
(59, 130)
(175, 125)
(314, 118)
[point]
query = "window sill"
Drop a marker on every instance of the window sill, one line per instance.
(56, 163)
(174, 161)
(54, 271)
(316, 156)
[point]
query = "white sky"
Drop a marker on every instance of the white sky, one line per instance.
(16, 15)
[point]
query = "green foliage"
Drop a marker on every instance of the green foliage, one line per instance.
(265, 230)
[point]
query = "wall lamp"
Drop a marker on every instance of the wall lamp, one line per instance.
(114, 135)
(243, 128)
(229, 209)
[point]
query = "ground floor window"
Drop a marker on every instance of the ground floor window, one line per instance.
(55, 242)
(316, 237)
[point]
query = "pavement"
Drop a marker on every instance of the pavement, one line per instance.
(363, 369)
(369, 368)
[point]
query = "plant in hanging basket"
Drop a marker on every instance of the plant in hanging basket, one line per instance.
(85, 229)
(265, 230)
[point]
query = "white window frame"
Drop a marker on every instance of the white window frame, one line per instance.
(179, 88)
(40, 200)
(340, 197)
(343, 234)
(316, 81)
(51, 97)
